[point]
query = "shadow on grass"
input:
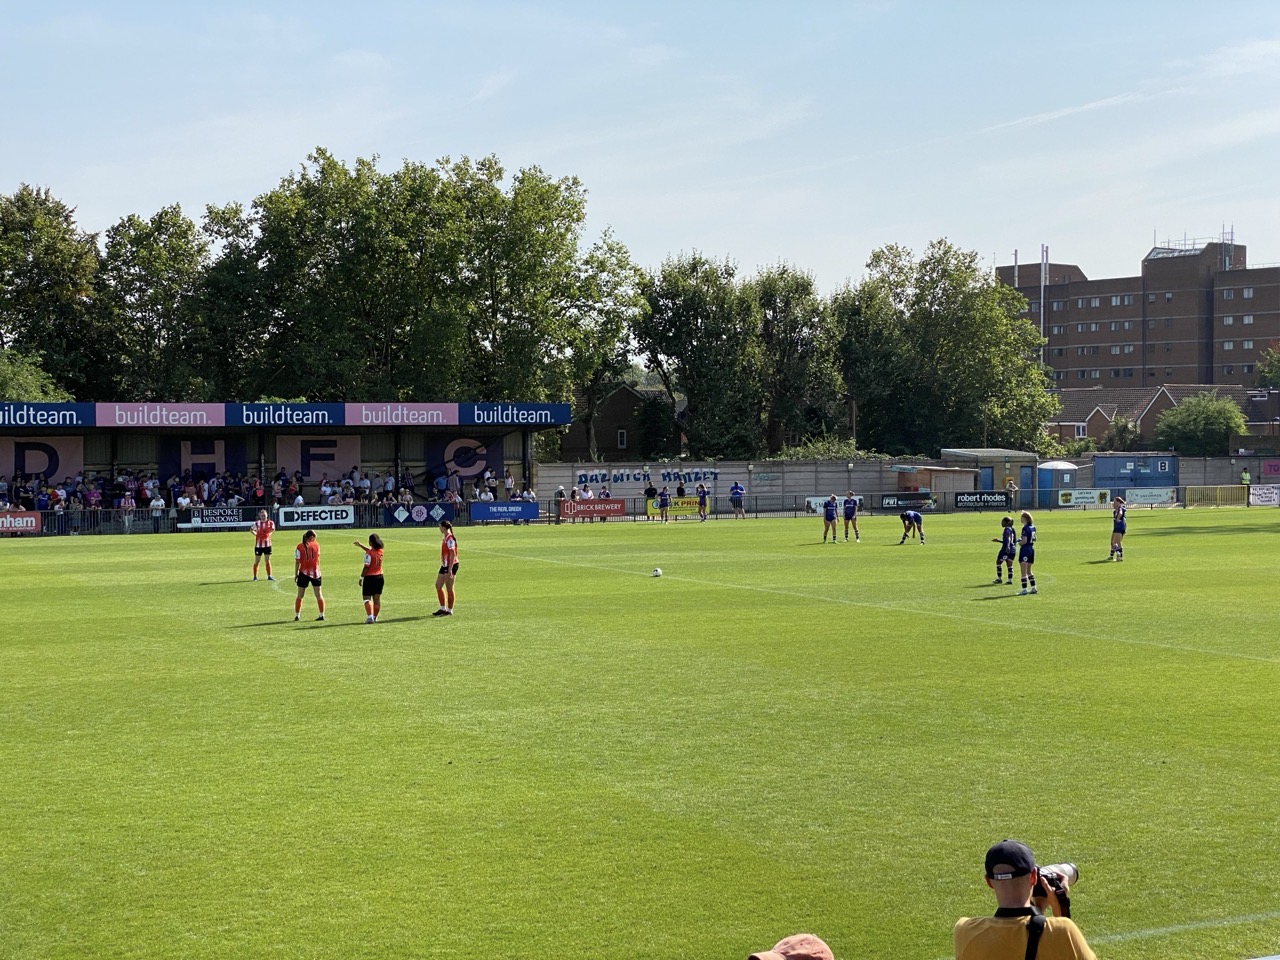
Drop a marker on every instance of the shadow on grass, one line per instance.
(1003, 596)
(1094, 563)
(327, 624)
(218, 583)
(1217, 531)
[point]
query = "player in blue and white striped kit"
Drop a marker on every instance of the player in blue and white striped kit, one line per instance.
(1027, 553)
(1008, 541)
(829, 507)
(851, 517)
(1118, 527)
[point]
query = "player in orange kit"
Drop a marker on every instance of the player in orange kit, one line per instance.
(448, 570)
(262, 528)
(371, 579)
(306, 573)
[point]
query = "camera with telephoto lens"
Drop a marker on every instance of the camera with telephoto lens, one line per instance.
(1057, 877)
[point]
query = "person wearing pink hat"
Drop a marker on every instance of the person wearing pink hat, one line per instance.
(799, 946)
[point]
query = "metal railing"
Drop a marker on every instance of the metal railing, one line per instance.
(143, 521)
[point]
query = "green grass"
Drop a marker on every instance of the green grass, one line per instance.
(778, 735)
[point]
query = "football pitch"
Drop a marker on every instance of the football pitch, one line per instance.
(778, 735)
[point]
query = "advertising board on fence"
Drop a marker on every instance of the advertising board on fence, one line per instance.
(20, 521)
(982, 500)
(219, 518)
(587, 508)
(420, 514)
(1264, 495)
(1084, 497)
(338, 516)
(512, 510)
(680, 507)
(908, 501)
(1151, 495)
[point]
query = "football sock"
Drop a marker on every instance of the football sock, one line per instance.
(1033, 579)
(1024, 583)
(368, 608)
(297, 605)
(320, 601)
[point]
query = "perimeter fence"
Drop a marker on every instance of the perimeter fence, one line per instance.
(143, 520)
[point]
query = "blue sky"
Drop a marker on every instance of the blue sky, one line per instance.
(810, 134)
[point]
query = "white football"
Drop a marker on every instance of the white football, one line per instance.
(657, 571)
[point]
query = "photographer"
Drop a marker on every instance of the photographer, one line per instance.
(1019, 928)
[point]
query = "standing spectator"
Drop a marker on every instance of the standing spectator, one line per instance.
(491, 482)
(127, 506)
(650, 494)
(560, 498)
(509, 483)
(737, 493)
(454, 482)
(1019, 928)
(442, 486)
(159, 512)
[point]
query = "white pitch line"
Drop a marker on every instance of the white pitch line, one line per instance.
(895, 608)
(1187, 928)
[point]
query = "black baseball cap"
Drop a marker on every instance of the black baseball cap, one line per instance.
(1013, 854)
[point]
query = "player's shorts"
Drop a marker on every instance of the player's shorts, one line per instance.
(445, 571)
(1117, 528)
(262, 551)
(1027, 554)
(851, 515)
(304, 581)
(1005, 555)
(735, 502)
(372, 585)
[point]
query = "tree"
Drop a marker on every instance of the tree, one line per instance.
(701, 336)
(47, 270)
(1200, 426)
(1121, 435)
(799, 375)
(1269, 367)
(935, 352)
(22, 378)
(607, 303)
(146, 292)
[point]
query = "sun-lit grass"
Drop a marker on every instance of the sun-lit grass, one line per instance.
(777, 735)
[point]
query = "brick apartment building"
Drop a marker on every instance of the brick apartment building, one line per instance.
(1197, 314)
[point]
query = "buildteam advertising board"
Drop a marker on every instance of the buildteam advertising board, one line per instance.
(151, 415)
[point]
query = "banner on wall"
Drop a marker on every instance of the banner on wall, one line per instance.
(1151, 495)
(203, 456)
(469, 456)
(53, 458)
(1264, 495)
(317, 456)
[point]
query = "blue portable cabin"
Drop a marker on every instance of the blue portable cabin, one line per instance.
(1119, 472)
(1052, 476)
